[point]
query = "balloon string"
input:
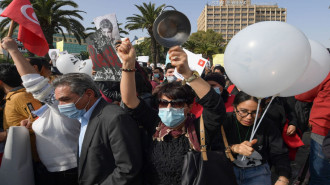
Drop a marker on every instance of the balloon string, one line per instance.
(264, 113)
(254, 124)
(271, 100)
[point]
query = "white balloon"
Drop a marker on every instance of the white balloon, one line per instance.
(86, 66)
(266, 58)
(67, 63)
(315, 73)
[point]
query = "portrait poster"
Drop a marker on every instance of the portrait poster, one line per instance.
(53, 55)
(107, 26)
(106, 62)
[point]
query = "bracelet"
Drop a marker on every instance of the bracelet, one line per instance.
(128, 70)
(286, 182)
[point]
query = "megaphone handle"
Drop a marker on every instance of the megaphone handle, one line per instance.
(166, 7)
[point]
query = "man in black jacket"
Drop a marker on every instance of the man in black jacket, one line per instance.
(109, 143)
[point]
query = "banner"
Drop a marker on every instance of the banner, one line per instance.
(105, 60)
(218, 59)
(143, 59)
(16, 167)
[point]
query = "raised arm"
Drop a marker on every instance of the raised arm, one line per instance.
(23, 67)
(179, 59)
(127, 84)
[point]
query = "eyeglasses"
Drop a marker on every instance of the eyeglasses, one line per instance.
(179, 103)
(245, 113)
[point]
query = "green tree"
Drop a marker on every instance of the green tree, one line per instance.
(207, 43)
(145, 20)
(53, 18)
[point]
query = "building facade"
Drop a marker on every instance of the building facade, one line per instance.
(230, 16)
(71, 44)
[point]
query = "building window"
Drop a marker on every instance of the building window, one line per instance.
(223, 9)
(237, 14)
(237, 9)
(237, 24)
(237, 30)
(216, 20)
(244, 14)
(244, 19)
(217, 25)
(251, 9)
(223, 25)
(230, 20)
(210, 20)
(223, 15)
(217, 15)
(230, 14)
(230, 9)
(244, 9)
(223, 20)
(251, 19)
(217, 9)
(237, 20)
(216, 30)
(209, 25)
(209, 15)
(251, 14)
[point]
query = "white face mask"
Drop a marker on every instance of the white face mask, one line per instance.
(171, 78)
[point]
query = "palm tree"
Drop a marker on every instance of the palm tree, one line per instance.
(206, 49)
(53, 19)
(146, 20)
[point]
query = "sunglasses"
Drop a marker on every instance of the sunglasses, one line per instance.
(179, 103)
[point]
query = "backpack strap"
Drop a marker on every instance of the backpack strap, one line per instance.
(202, 136)
(227, 151)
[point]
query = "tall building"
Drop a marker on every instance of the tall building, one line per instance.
(230, 16)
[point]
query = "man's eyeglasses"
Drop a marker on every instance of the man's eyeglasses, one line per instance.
(245, 113)
(179, 103)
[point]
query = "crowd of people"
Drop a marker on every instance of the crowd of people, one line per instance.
(139, 130)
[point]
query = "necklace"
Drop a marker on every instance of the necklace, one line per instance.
(239, 135)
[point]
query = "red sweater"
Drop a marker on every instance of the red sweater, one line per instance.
(320, 112)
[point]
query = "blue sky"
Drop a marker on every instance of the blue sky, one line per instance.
(311, 17)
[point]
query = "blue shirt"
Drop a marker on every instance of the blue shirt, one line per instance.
(84, 122)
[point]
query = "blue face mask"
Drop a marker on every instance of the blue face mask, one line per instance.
(172, 117)
(171, 78)
(70, 110)
(217, 90)
(156, 75)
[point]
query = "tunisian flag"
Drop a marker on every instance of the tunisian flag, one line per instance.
(29, 33)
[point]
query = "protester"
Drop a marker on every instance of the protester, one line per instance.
(54, 131)
(111, 151)
(319, 120)
(169, 73)
(19, 105)
(219, 69)
(267, 147)
(173, 130)
(158, 75)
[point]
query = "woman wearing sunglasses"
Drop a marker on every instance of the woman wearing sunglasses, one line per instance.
(173, 131)
(267, 147)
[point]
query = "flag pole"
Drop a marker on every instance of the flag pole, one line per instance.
(11, 29)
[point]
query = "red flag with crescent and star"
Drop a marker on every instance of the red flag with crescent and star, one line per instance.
(29, 33)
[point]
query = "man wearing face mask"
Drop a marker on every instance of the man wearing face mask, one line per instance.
(169, 73)
(158, 75)
(109, 144)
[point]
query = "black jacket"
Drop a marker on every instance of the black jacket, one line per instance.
(111, 150)
(270, 143)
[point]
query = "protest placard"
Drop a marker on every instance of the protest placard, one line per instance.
(195, 62)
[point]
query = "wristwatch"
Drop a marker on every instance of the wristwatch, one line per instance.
(194, 76)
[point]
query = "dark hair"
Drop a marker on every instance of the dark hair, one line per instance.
(217, 78)
(106, 23)
(9, 75)
(160, 69)
(39, 61)
(169, 66)
(222, 69)
(78, 83)
(242, 97)
(175, 90)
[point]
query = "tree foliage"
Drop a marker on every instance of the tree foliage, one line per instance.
(145, 20)
(206, 43)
